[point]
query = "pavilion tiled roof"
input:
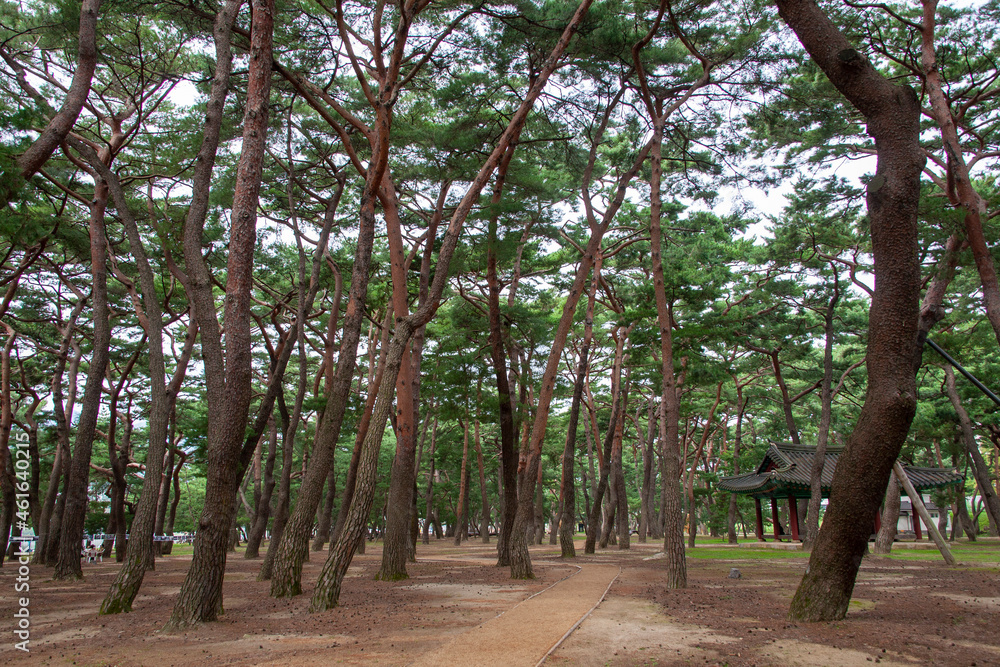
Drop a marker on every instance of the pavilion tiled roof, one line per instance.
(786, 469)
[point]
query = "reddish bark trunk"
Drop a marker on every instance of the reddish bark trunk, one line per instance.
(58, 128)
(75, 509)
(328, 588)
(228, 383)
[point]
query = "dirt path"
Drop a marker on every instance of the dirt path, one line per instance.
(526, 634)
(458, 608)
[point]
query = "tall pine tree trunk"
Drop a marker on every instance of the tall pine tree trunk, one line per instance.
(892, 114)
(228, 378)
(74, 511)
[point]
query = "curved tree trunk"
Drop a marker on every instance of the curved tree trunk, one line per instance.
(281, 512)
(168, 527)
(163, 501)
(892, 113)
(980, 469)
(8, 480)
(328, 588)
(826, 409)
(567, 522)
(484, 504)
(127, 582)
(505, 397)
(228, 378)
(646, 522)
(890, 517)
(263, 513)
(602, 484)
(76, 498)
(59, 126)
(325, 521)
(520, 565)
(673, 512)
(59, 464)
(462, 514)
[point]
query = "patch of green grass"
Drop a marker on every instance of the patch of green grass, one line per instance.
(963, 552)
(180, 550)
(747, 553)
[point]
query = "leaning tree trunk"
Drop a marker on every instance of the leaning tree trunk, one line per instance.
(163, 501)
(960, 190)
(140, 552)
(325, 521)
(892, 113)
(620, 498)
(648, 474)
(826, 409)
(288, 550)
(594, 520)
(980, 469)
(737, 445)
(328, 588)
(229, 387)
(890, 517)
(61, 123)
(76, 497)
(62, 437)
(673, 511)
(168, 526)
(396, 540)
(8, 480)
(263, 511)
(484, 504)
(520, 561)
(505, 399)
(281, 512)
(567, 522)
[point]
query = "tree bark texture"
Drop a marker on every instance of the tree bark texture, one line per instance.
(890, 518)
(892, 113)
(567, 521)
(76, 498)
(263, 512)
(228, 382)
(59, 126)
(127, 582)
(826, 410)
(960, 193)
(980, 469)
(62, 436)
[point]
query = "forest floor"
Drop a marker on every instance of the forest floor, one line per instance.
(457, 608)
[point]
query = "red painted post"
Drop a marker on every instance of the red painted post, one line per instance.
(878, 521)
(774, 519)
(760, 520)
(916, 522)
(793, 517)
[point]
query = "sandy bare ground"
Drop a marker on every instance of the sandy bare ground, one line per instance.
(458, 608)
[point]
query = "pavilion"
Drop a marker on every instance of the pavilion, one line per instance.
(784, 475)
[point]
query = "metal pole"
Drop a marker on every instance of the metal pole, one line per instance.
(970, 376)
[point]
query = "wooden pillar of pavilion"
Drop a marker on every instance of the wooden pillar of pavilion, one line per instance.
(916, 522)
(774, 519)
(760, 520)
(793, 517)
